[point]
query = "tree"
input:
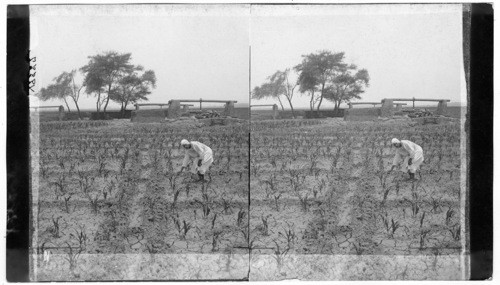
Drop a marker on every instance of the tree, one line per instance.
(64, 86)
(289, 88)
(277, 85)
(308, 84)
(348, 85)
(264, 91)
(315, 71)
(133, 87)
(103, 74)
(94, 83)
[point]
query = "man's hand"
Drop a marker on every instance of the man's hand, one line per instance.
(409, 161)
(199, 162)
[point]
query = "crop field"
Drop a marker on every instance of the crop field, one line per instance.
(306, 199)
(109, 190)
(321, 190)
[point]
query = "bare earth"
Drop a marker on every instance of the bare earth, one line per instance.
(109, 204)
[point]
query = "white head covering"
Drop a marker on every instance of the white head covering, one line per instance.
(184, 142)
(395, 140)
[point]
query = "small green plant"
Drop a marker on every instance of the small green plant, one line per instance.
(265, 225)
(455, 232)
(94, 202)
(449, 215)
(422, 219)
(423, 237)
(390, 225)
(215, 240)
(183, 228)
(81, 237)
(56, 227)
(280, 254)
(276, 197)
(289, 234)
(72, 257)
(226, 205)
(205, 204)
(241, 215)
(213, 220)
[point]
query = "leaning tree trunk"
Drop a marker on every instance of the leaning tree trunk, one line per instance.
(107, 99)
(67, 106)
(124, 108)
(336, 105)
(321, 96)
(121, 110)
(281, 104)
(77, 108)
(291, 107)
(319, 103)
(311, 103)
(97, 105)
(106, 105)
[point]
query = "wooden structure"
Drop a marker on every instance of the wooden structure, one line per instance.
(364, 103)
(388, 105)
(174, 107)
(154, 115)
(275, 109)
(184, 106)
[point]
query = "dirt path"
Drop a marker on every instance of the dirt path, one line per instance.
(346, 207)
(137, 208)
(138, 242)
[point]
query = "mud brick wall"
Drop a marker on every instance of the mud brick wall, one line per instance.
(73, 116)
(259, 116)
(361, 114)
(442, 108)
(149, 116)
(48, 116)
(387, 109)
(324, 114)
(229, 109)
(108, 115)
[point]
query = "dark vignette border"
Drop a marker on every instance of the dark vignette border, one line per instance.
(17, 248)
(481, 142)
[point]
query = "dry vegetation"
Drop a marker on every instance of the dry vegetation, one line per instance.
(317, 191)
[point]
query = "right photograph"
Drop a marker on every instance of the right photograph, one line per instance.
(358, 150)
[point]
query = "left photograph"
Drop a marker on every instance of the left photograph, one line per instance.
(139, 142)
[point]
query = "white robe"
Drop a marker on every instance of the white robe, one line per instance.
(406, 151)
(196, 152)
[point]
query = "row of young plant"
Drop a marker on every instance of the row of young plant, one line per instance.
(424, 215)
(398, 210)
(110, 181)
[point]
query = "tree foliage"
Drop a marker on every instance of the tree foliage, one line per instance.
(277, 85)
(63, 86)
(321, 75)
(133, 87)
(316, 71)
(348, 85)
(103, 74)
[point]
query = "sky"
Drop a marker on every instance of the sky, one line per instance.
(195, 51)
(203, 51)
(408, 50)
